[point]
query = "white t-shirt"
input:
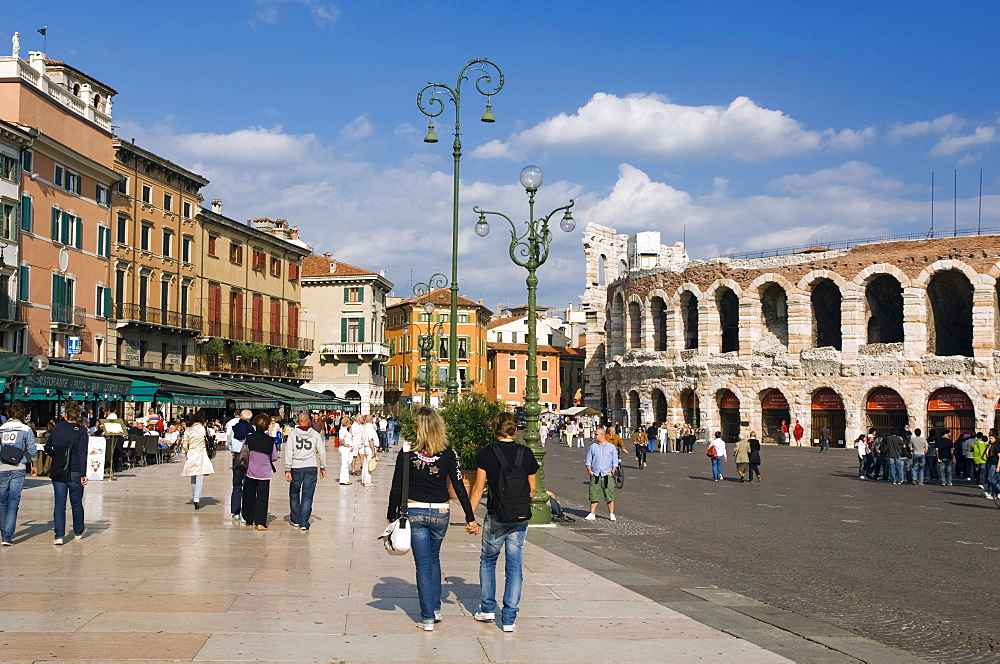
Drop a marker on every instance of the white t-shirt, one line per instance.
(369, 439)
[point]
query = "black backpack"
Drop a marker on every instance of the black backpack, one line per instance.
(512, 493)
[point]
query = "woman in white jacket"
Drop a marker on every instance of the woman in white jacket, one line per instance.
(345, 450)
(196, 461)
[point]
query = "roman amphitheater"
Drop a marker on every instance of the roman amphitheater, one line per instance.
(886, 335)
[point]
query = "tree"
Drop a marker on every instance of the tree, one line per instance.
(213, 347)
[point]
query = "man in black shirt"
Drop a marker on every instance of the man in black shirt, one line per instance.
(946, 456)
(893, 447)
(496, 534)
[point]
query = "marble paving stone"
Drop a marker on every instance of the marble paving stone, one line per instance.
(252, 588)
(116, 602)
(511, 648)
(597, 609)
(77, 646)
(422, 647)
(43, 621)
(216, 623)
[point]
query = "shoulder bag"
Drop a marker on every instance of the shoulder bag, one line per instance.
(10, 452)
(396, 537)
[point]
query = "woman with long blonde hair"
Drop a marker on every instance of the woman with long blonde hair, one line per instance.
(430, 463)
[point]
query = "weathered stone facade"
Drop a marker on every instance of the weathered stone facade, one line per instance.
(878, 335)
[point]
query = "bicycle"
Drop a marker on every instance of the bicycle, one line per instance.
(619, 477)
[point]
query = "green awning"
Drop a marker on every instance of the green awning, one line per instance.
(14, 364)
(196, 400)
(71, 379)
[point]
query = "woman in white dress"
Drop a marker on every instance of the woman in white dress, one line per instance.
(196, 461)
(345, 450)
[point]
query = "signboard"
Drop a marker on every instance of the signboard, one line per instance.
(729, 400)
(95, 458)
(73, 346)
(827, 399)
(774, 400)
(948, 398)
(55, 380)
(885, 399)
(129, 352)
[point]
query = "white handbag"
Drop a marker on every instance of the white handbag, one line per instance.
(396, 536)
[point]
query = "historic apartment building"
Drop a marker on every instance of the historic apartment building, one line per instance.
(348, 306)
(156, 260)
(408, 371)
(250, 298)
(508, 373)
(66, 177)
(15, 213)
(883, 335)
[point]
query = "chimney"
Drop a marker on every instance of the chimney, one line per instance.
(37, 61)
(381, 273)
(293, 233)
(328, 255)
(217, 206)
(333, 266)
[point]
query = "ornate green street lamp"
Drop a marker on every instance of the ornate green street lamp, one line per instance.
(426, 342)
(530, 249)
(488, 83)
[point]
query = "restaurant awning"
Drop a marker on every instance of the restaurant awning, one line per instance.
(58, 378)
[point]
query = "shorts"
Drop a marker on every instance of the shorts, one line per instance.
(601, 488)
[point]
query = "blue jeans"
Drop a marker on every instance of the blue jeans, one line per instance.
(716, 467)
(918, 468)
(895, 469)
(992, 479)
(11, 483)
(945, 469)
(428, 528)
(510, 536)
(300, 494)
(824, 445)
(74, 490)
(907, 470)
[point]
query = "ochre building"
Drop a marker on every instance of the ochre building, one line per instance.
(878, 335)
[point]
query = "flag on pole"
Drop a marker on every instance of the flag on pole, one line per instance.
(41, 31)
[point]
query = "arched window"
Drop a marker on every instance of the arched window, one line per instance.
(97, 101)
(659, 406)
(634, 325)
(729, 319)
(884, 309)
(774, 310)
(949, 324)
(689, 314)
(76, 89)
(634, 411)
(826, 299)
(658, 310)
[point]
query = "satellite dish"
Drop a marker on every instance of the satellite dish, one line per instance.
(39, 363)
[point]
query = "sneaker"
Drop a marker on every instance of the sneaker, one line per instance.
(509, 628)
(484, 617)
(437, 616)
(589, 517)
(610, 516)
(303, 527)
(57, 541)
(426, 625)
(80, 534)
(862, 477)
(294, 525)
(7, 543)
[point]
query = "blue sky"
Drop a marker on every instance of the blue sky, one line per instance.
(744, 124)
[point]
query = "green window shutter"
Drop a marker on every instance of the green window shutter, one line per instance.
(100, 240)
(24, 283)
(361, 294)
(343, 330)
(26, 213)
(79, 181)
(107, 301)
(64, 231)
(56, 299)
(55, 224)
(59, 176)
(361, 329)
(347, 295)
(79, 233)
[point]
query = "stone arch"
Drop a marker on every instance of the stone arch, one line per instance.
(884, 309)
(658, 316)
(726, 294)
(634, 316)
(686, 305)
(774, 310)
(634, 409)
(870, 273)
(661, 408)
(616, 325)
(950, 296)
(754, 290)
(927, 274)
(601, 270)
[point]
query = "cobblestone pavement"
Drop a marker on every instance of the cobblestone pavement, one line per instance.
(908, 566)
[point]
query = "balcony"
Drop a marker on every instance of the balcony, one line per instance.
(66, 315)
(223, 365)
(365, 350)
(210, 328)
(141, 315)
(12, 313)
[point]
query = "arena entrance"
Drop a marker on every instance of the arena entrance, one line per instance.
(692, 414)
(729, 416)
(886, 411)
(950, 408)
(828, 411)
(774, 409)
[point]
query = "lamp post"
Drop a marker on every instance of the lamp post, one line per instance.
(530, 249)
(426, 342)
(487, 86)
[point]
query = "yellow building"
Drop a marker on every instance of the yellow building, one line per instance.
(249, 293)
(408, 323)
(155, 261)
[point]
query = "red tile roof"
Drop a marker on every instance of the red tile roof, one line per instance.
(441, 296)
(319, 266)
(520, 348)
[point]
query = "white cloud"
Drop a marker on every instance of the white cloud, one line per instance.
(649, 124)
(323, 14)
(358, 128)
(941, 125)
(951, 145)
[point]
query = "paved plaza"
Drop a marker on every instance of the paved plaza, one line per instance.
(812, 550)
(153, 579)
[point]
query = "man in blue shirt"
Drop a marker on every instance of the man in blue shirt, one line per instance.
(602, 460)
(19, 435)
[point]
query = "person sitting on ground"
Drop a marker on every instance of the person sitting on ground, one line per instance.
(557, 511)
